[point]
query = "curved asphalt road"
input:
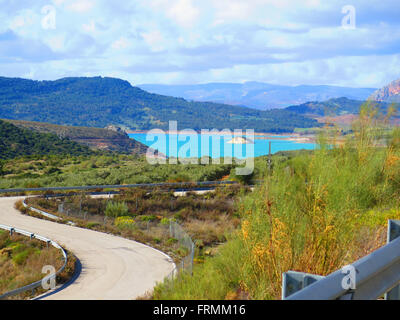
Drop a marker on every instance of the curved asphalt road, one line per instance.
(112, 267)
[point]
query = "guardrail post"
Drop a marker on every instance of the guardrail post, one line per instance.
(12, 230)
(393, 233)
(293, 281)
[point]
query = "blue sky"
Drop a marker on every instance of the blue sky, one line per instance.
(288, 42)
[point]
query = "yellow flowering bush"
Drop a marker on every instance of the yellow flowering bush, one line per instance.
(124, 222)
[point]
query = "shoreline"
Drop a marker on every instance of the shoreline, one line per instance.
(295, 137)
(213, 133)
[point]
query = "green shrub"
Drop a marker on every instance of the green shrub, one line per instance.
(172, 241)
(116, 209)
(92, 225)
(243, 179)
(148, 218)
(165, 221)
(20, 258)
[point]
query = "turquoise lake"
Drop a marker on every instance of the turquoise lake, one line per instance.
(214, 146)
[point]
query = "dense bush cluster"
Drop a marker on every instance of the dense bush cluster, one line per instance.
(110, 169)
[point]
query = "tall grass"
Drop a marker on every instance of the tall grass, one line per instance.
(314, 213)
(22, 260)
(210, 281)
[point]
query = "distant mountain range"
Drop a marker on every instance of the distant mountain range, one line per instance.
(103, 102)
(258, 95)
(100, 102)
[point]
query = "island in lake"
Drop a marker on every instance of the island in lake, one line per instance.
(241, 140)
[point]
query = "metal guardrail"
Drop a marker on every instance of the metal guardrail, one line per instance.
(175, 230)
(143, 185)
(43, 213)
(36, 284)
(185, 264)
(53, 217)
(374, 275)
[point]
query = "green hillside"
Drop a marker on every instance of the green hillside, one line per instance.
(99, 102)
(95, 138)
(15, 142)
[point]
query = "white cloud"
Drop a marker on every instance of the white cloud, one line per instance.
(58, 2)
(229, 11)
(89, 27)
(154, 40)
(24, 19)
(56, 43)
(121, 43)
(280, 41)
(81, 6)
(30, 74)
(181, 12)
(184, 13)
(18, 22)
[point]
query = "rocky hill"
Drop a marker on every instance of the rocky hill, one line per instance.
(389, 93)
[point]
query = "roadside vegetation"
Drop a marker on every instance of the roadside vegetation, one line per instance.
(110, 169)
(315, 213)
(113, 169)
(22, 260)
(145, 216)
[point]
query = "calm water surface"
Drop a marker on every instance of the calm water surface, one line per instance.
(188, 146)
